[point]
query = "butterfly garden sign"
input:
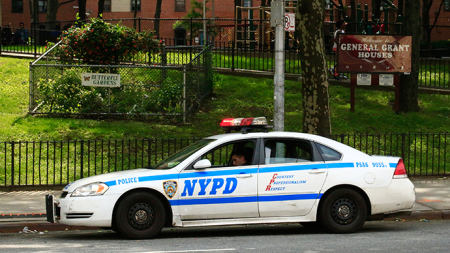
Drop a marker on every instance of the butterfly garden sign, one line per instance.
(100, 80)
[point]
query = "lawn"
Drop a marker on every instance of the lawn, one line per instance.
(233, 97)
(46, 163)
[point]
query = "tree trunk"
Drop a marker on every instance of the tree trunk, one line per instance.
(353, 17)
(157, 17)
(52, 10)
(101, 5)
(82, 9)
(376, 10)
(409, 83)
(316, 108)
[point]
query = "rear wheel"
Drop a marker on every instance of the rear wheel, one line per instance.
(343, 211)
(140, 215)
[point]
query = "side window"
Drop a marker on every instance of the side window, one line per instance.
(287, 151)
(328, 154)
(232, 154)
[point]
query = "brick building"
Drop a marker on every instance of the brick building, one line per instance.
(15, 11)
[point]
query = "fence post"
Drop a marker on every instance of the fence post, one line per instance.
(139, 24)
(403, 145)
(184, 95)
(12, 164)
(81, 158)
(163, 61)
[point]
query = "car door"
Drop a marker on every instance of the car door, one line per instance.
(222, 190)
(290, 177)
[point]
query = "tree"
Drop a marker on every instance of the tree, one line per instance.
(316, 108)
(52, 10)
(409, 84)
(376, 5)
(101, 6)
(427, 27)
(82, 9)
(157, 16)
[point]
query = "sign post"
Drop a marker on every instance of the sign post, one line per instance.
(277, 20)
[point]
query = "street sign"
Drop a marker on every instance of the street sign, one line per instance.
(289, 22)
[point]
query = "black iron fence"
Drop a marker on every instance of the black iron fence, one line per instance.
(51, 163)
(249, 43)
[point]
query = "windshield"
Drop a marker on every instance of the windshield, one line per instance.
(180, 156)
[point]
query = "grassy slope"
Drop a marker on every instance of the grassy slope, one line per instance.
(233, 97)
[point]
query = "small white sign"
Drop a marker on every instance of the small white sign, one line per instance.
(289, 22)
(364, 79)
(100, 80)
(386, 79)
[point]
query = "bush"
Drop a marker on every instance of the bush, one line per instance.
(103, 43)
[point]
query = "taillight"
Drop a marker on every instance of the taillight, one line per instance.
(400, 170)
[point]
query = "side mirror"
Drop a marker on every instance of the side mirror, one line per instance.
(202, 164)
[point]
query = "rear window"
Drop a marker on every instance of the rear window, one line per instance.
(328, 154)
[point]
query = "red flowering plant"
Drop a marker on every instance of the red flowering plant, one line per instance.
(103, 43)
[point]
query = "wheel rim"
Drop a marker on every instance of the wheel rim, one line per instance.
(344, 211)
(141, 216)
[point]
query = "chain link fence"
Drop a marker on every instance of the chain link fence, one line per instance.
(171, 84)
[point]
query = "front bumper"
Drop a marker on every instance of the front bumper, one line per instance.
(81, 211)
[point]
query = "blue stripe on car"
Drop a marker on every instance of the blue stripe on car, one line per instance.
(197, 174)
(209, 201)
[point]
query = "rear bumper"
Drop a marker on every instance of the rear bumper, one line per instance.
(400, 195)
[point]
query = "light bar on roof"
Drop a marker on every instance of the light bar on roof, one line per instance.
(239, 123)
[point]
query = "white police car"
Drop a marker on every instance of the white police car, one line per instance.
(279, 177)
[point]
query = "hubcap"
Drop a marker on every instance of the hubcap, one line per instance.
(344, 211)
(141, 216)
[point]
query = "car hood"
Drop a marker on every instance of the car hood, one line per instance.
(113, 176)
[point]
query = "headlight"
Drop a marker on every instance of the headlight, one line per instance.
(93, 189)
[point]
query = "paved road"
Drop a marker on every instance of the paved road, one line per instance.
(378, 236)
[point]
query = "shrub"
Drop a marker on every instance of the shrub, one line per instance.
(103, 43)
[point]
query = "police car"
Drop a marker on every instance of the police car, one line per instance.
(251, 177)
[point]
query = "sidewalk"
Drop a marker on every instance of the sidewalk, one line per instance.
(19, 209)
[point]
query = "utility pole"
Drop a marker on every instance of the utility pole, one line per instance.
(277, 21)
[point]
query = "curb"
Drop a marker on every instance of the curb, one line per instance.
(40, 226)
(44, 226)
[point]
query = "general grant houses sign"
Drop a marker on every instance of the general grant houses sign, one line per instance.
(374, 53)
(100, 80)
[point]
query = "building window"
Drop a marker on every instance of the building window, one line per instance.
(248, 3)
(135, 5)
(17, 6)
(180, 5)
(107, 6)
(447, 5)
(42, 6)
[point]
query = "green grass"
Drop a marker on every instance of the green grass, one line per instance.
(233, 97)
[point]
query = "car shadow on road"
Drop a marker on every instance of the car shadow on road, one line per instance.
(235, 231)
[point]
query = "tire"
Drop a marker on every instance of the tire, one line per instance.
(140, 215)
(343, 211)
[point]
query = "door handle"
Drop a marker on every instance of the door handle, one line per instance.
(243, 175)
(316, 171)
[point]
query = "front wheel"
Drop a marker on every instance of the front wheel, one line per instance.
(140, 215)
(343, 211)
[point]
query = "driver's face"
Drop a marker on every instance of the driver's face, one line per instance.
(238, 161)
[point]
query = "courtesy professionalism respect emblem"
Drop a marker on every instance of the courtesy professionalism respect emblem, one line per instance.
(170, 187)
